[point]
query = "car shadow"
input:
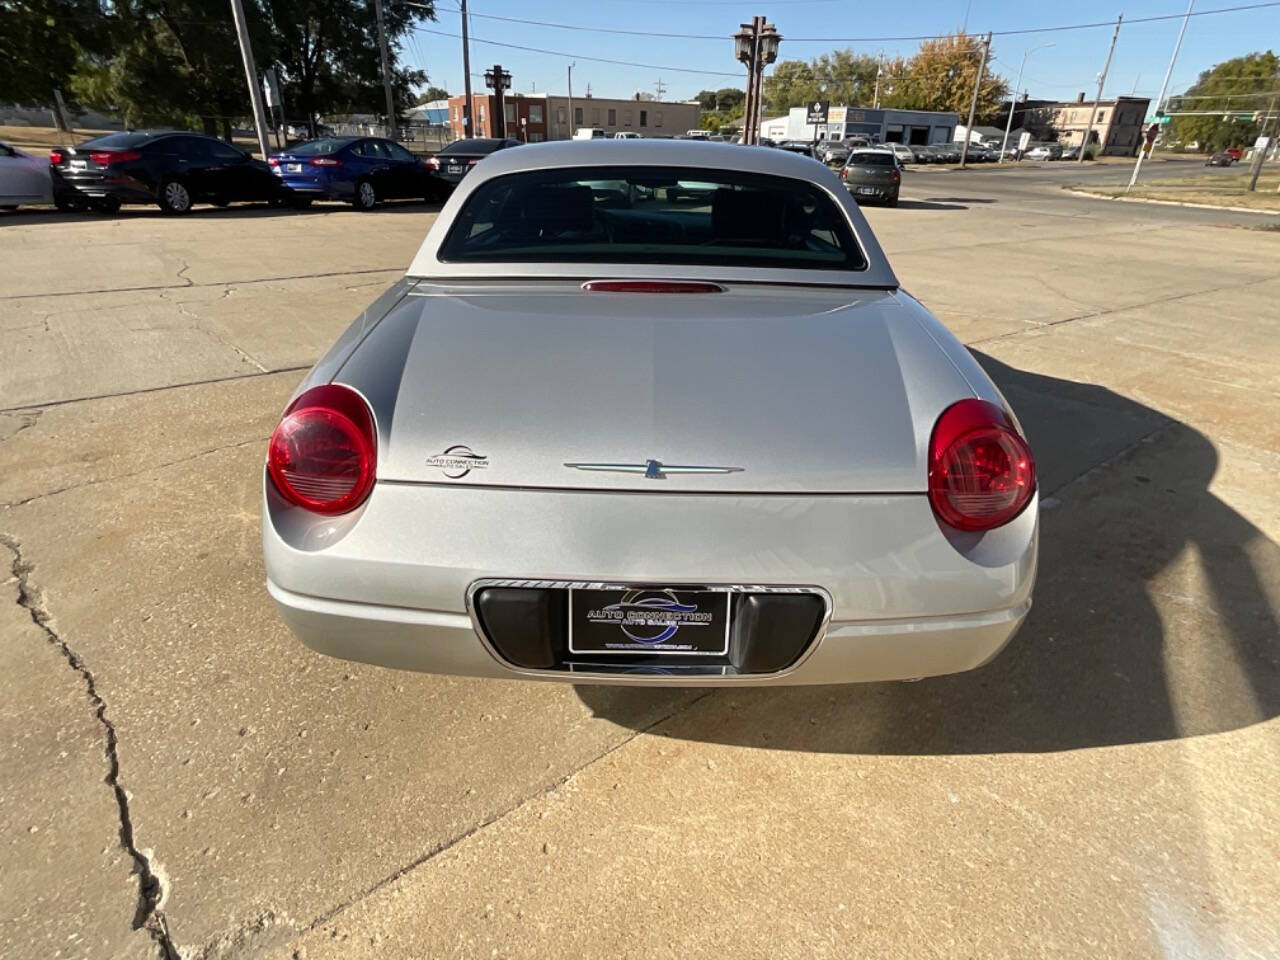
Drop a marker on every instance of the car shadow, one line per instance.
(1128, 520)
(251, 211)
(930, 204)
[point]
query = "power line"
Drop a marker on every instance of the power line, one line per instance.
(921, 37)
(583, 56)
(1030, 30)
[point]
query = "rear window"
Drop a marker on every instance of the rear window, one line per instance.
(118, 141)
(653, 215)
(871, 159)
(478, 145)
(318, 148)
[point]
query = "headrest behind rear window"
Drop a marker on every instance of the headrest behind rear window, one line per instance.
(551, 210)
(748, 216)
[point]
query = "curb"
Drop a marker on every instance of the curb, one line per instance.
(1174, 203)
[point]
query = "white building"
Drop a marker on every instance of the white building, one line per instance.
(878, 126)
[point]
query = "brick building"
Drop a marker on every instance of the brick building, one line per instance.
(539, 116)
(526, 116)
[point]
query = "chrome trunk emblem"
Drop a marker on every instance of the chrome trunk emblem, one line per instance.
(652, 469)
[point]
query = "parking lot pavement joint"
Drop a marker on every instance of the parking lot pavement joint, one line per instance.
(152, 888)
(49, 294)
(151, 468)
(445, 845)
(1150, 437)
(292, 368)
(1095, 314)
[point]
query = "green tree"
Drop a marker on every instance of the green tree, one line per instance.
(41, 44)
(730, 101)
(328, 53)
(1233, 90)
(432, 93)
(842, 76)
(941, 76)
(706, 99)
(171, 62)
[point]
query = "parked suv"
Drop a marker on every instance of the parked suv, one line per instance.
(174, 170)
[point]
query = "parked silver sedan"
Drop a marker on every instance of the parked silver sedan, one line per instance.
(24, 179)
(707, 440)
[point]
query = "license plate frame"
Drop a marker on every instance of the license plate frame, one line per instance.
(78, 166)
(455, 169)
(659, 621)
(868, 191)
(293, 168)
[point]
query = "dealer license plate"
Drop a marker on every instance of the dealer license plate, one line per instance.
(649, 621)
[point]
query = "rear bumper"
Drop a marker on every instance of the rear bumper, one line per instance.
(388, 584)
(434, 641)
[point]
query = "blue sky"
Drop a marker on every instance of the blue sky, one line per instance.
(1072, 65)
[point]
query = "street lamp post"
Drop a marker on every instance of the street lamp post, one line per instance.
(499, 81)
(756, 46)
(1013, 98)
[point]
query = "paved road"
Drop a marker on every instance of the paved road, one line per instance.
(176, 773)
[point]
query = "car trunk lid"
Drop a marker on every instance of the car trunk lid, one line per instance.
(755, 389)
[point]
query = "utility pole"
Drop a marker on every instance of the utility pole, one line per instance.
(251, 75)
(661, 88)
(1260, 153)
(1013, 99)
(572, 120)
(973, 104)
(1102, 78)
(1163, 87)
(468, 127)
(386, 72)
(875, 103)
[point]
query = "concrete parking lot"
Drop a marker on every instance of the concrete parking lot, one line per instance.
(179, 777)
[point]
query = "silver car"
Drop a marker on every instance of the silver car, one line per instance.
(24, 179)
(707, 440)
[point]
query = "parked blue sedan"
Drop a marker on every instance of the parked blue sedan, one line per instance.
(360, 170)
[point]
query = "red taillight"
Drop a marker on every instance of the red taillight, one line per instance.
(652, 286)
(108, 158)
(433, 163)
(896, 176)
(844, 173)
(273, 161)
(325, 162)
(323, 454)
(56, 157)
(981, 473)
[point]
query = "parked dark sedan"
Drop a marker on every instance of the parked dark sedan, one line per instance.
(454, 162)
(173, 170)
(1220, 159)
(360, 170)
(873, 175)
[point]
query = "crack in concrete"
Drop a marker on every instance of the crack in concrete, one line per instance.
(26, 420)
(208, 283)
(448, 844)
(125, 476)
(152, 890)
(199, 324)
